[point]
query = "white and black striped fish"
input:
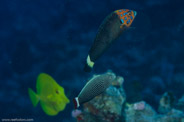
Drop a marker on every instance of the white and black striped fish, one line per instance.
(94, 87)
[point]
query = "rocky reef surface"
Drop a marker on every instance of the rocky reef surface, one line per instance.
(111, 106)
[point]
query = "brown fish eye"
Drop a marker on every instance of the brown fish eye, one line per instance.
(129, 13)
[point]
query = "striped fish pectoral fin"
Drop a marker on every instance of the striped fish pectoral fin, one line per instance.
(89, 65)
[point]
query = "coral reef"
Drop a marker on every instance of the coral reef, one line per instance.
(172, 116)
(143, 112)
(139, 112)
(111, 106)
(180, 104)
(166, 102)
(107, 107)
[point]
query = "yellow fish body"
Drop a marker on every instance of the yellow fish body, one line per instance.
(50, 94)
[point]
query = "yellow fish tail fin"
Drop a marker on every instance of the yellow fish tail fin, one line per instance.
(33, 96)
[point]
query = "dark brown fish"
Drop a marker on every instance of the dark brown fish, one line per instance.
(111, 28)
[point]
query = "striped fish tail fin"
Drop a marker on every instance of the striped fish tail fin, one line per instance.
(76, 102)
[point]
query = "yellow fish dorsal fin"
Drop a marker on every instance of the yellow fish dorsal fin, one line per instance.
(43, 81)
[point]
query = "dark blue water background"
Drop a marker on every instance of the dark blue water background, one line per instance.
(54, 37)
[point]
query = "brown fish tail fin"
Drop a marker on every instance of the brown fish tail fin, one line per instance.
(76, 102)
(89, 65)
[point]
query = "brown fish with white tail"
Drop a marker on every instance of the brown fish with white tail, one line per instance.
(111, 28)
(94, 87)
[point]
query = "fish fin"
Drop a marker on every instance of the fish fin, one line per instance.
(49, 96)
(43, 79)
(76, 102)
(89, 65)
(48, 109)
(33, 96)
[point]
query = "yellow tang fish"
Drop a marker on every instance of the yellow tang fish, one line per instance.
(50, 94)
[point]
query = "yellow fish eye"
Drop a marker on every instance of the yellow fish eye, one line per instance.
(57, 92)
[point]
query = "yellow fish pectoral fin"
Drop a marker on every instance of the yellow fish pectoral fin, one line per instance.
(48, 109)
(49, 96)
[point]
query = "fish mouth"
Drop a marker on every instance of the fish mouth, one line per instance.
(135, 13)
